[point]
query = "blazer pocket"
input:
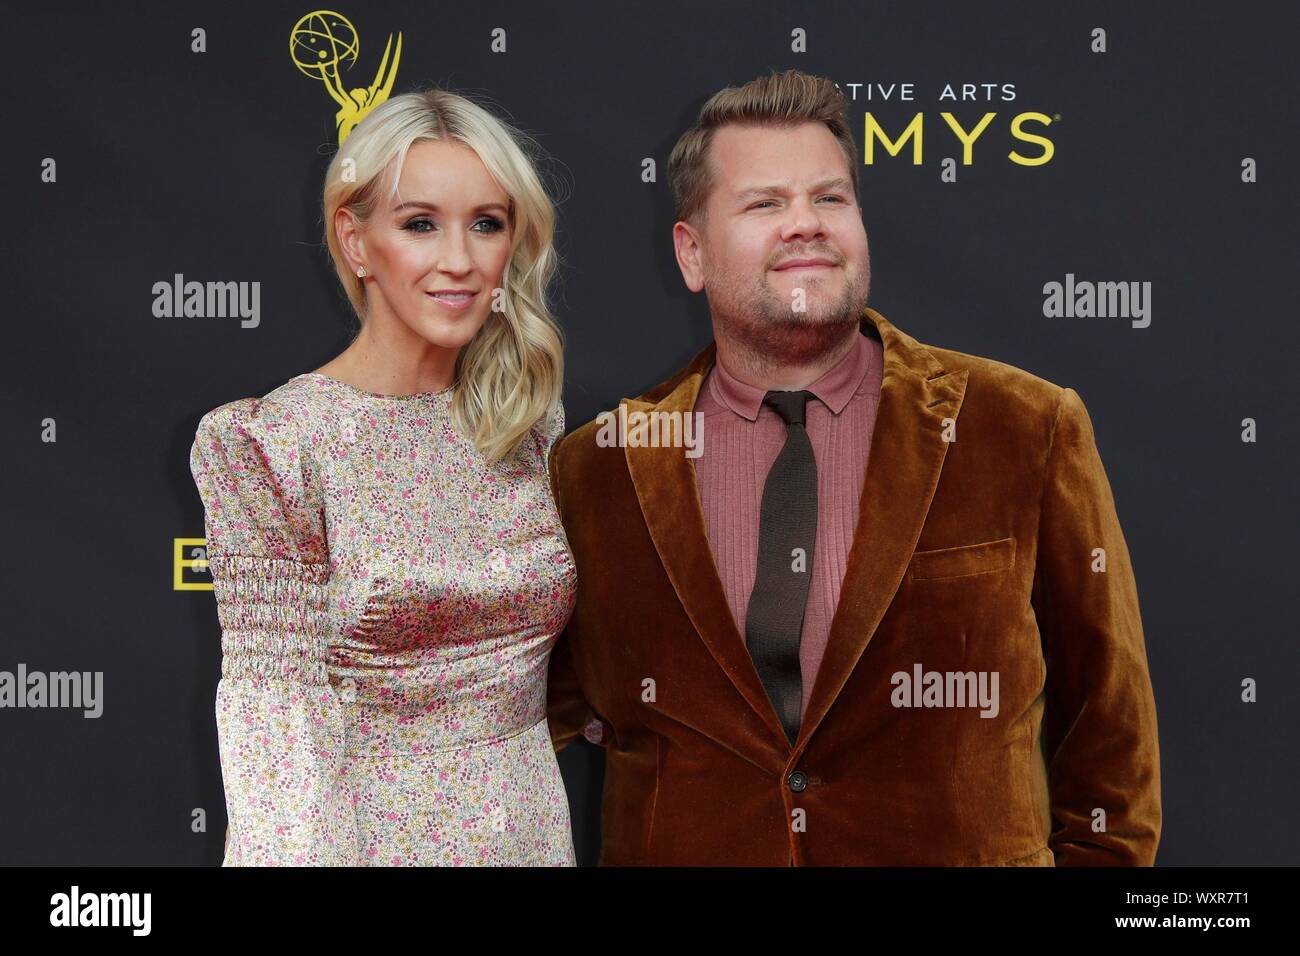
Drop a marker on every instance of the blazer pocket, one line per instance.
(963, 560)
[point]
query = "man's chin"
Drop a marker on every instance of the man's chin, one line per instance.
(796, 337)
(815, 323)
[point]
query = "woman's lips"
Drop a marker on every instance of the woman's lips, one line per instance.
(456, 303)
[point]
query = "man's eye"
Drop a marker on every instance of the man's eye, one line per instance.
(768, 202)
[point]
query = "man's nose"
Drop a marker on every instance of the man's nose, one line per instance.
(803, 220)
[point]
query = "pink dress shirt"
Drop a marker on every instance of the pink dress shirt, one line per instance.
(742, 438)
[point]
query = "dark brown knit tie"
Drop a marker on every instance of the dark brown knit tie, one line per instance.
(787, 521)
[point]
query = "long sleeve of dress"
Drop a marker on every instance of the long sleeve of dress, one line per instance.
(280, 724)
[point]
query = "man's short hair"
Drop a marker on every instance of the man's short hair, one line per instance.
(778, 99)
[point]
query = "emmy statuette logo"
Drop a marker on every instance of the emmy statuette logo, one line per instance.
(324, 41)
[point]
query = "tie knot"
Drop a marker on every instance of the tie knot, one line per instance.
(789, 405)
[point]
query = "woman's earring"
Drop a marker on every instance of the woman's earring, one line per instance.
(361, 271)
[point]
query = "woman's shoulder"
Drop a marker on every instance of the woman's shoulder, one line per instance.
(259, 482)
(287, 424)
(298, 404)
(547, 430)
(551, 424)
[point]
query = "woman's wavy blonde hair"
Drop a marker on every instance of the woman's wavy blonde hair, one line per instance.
(511, 373)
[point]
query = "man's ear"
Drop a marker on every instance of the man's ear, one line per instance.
(690, 254)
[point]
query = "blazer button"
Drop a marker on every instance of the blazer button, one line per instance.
(798, 781)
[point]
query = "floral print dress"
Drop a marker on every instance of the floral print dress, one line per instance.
(388, 600)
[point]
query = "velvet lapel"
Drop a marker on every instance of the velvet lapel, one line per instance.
(907, 456)
(670, 502)
(902, 473)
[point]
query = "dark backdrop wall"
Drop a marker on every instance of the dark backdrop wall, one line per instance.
(131, 157)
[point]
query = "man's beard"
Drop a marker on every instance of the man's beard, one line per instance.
(772, 334)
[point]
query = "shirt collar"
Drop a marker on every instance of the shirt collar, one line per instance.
(834, 388)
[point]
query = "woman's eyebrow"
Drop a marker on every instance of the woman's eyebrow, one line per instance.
(420, 204)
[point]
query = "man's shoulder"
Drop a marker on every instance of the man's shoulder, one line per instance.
(586, 444)
(583, 449)
(990, 384)
(1001, 389)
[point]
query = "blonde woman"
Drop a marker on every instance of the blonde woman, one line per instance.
(389, 568)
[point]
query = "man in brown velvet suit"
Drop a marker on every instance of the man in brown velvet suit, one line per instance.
(884, 613)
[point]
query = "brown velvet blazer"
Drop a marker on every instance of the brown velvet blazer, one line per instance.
(971, 555)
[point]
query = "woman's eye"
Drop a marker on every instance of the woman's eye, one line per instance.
(491, 223)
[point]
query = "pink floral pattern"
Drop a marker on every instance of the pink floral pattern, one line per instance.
(388, 602)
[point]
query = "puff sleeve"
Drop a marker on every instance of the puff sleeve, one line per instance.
(280, 724)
